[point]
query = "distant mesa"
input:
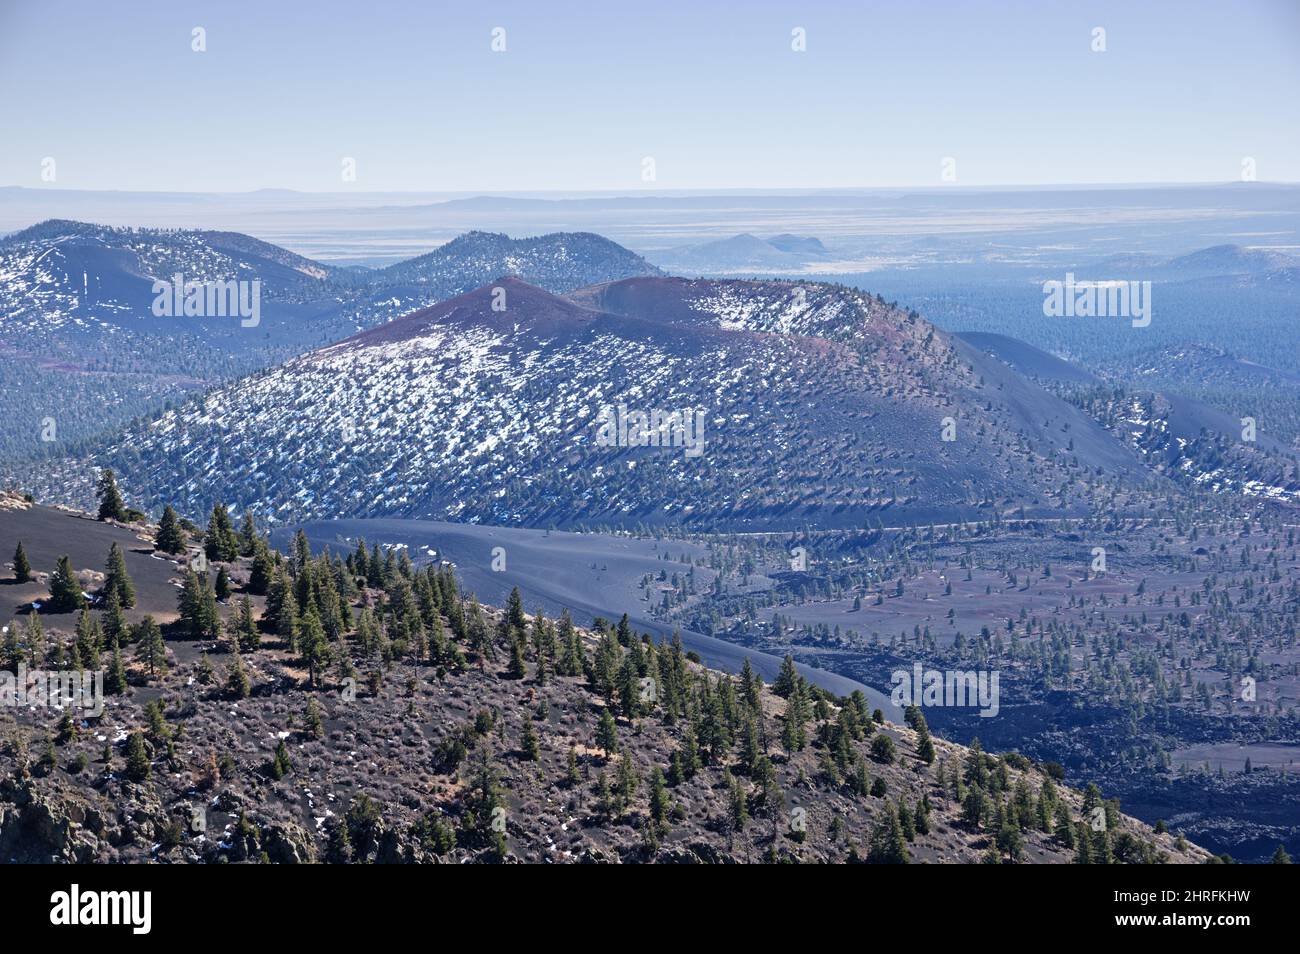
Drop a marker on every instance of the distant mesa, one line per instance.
(744, 253)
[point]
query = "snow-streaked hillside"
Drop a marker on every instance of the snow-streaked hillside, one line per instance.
(826, 409)
(80, 342)
(558, 262)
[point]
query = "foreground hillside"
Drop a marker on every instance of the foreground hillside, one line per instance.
(368, 710)
(803, 404)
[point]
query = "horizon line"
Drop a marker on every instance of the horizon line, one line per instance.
(665, 193)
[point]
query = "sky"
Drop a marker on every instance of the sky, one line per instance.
(584, 92)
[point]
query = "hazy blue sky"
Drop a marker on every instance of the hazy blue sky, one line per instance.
(113, 92)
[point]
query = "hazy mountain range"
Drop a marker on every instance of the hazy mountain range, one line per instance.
(76, 303)
(477, 391)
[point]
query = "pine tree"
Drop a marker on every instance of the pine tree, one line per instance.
(50, 758)
(189, 605)
(607, 734)
(12, 649)
(925, 749)
(260, 574)
(605, 802)
(570, 658)
(859, 780)
(281, 765)
(116, 578)
(1101, 848)
(976, 766)
(887, 845)
(751, 687)
(313, 644)
(737, 805)
(1083, 845)
(67, 729)
(478, 635)
(441, 652)
(905, 821)
(279, 588)
(248, 538)
(151, 650)
(65, 589)
(36, 646)
(89, 640)
(572, 776)
(111, 506)
(207, 672)
(628, 682)
(222, 588)
(287, 626)
(515, 611)
(197, 607)
(237, 682)
(115, 679)
(1280, 857)
(22, 568)
(1044, 807)
(529, 746)
(1062, 826)
(301, 551)
(220, 542)
(246, 627)
(1010, 842)
(312, 721)
(114, 622)
(659, 801)
(169, 538)
(922, 816)
(786, 678)
(159, 731)
(137, 758)
(974, 807)
(516, 669)
(338, 847)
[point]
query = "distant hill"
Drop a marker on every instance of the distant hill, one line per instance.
(558, 262)
(821, 406)
(1215, 378)
(1205, 365)
(1229, 259)
(1215, 261)
(76, 307)
(1166, 410)
(798, 244)
(744, 253)
(1202, 447)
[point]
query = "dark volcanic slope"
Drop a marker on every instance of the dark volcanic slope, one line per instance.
(589, 574)
(820, 406)
(451, 734)
(47, 533)
(1027, 360)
